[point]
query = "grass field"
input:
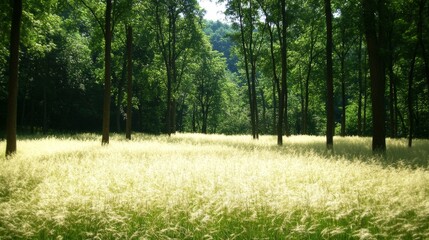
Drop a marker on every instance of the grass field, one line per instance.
(213, 187)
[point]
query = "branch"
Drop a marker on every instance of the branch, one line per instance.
(95, 16)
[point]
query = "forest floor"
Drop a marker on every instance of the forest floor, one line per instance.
(193, 186)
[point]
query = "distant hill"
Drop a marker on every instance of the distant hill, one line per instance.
(219, 37)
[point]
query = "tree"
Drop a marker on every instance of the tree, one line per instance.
(208, 80)
(13, 78)
(283, 99)
(171, 19)
(376, 73)
(245, 13)
(346, 38)
(329, 78)
(129, 81)
(113, 11)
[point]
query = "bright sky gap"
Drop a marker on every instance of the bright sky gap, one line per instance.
(214, 10)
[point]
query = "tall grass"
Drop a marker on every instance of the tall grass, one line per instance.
(194, 186)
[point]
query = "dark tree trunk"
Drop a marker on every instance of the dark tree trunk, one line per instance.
(283, 92)
(343, 96)
(173, 115)
(264, 111)
(276, 83)
(410, 98)
(377, 78)
(45, 110)
(129, 82)
(329, 78)
(254, 99)
(13, 79)
(246, 66)
(107, 72)
(360, 86)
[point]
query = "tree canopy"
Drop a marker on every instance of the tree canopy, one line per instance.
(262, 72)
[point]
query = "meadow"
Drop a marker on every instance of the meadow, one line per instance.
(193, 186)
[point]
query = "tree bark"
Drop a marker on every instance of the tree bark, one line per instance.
(129, 82)
(13, 78)
(329, 79)
(107, 72)
(377, 78)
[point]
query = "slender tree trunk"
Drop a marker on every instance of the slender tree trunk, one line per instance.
(173, 115)
(365, 98)
(410, 98)
(174, 72)
(264, 111)
(302, 103)
(129, 82)
(392, 110)
(283, 93)
(377, 78)
(329, 78)
(45, 110)
(254, 99)
(107, 72)
(246, 66)
(343, 96)
(360, 86)
(13, 79)
(307, 93)
(276, 84)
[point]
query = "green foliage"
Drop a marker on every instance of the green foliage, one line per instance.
(61, 65)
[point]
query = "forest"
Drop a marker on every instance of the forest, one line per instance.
(301, 67)
(298, 119)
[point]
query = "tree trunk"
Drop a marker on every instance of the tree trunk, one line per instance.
(283, 92)
(107, 72)
(254, 99)
(377, 78)
(302, 103)
(410, 98)
(264, 111)
(365, 98)
(276, 84)
(173, 115)
(13, 78)
(45, 110)
(360, 87)
(246, 66)
(343, 96)
(329, 79)
(129, 82)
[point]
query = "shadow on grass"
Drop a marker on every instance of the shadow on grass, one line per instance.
(398, 154)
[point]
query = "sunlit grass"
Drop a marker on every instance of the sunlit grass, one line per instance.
(193, 186)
